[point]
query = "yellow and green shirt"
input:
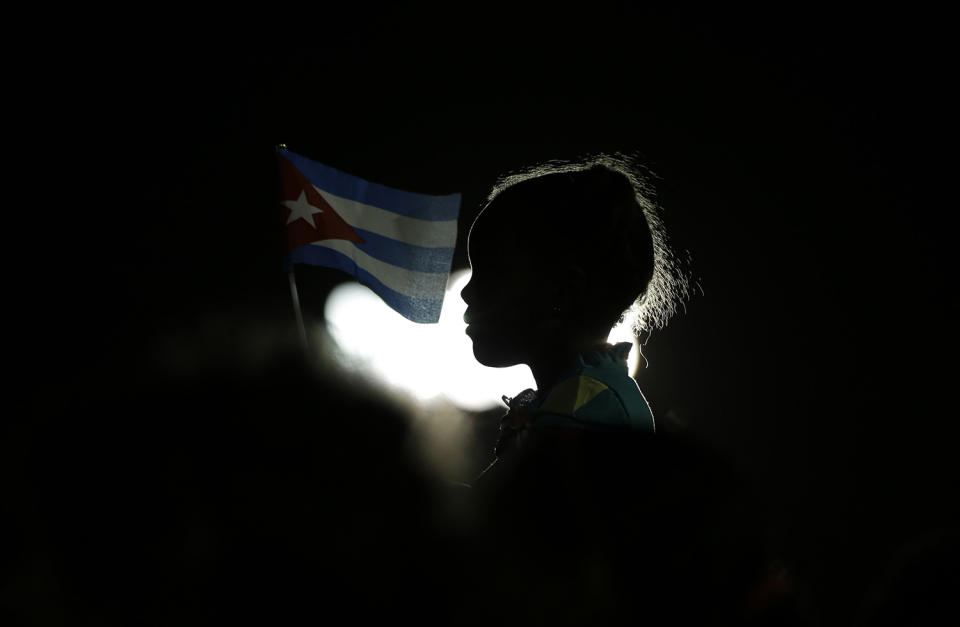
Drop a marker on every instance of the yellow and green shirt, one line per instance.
(596, 393)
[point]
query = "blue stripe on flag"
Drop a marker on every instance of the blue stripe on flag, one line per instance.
(410, 204)
(409, 256)
(414, 309)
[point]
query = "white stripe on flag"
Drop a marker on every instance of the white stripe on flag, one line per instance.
(428, 285)
(434, 234)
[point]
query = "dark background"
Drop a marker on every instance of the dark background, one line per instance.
(803, 159)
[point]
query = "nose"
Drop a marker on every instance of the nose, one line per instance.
(467, 292)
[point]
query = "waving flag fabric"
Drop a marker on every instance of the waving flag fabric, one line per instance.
(397, 243)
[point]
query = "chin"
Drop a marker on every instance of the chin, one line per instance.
(493, 356)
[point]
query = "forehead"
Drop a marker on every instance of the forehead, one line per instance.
(495, 232)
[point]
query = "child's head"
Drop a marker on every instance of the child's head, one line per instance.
(559, 253)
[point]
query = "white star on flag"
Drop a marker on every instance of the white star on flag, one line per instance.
(301, 209)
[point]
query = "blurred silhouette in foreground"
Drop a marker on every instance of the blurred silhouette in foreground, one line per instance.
(591, 518)
(216, 486)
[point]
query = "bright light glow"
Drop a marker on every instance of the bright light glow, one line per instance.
(624, 333)
(428, 361)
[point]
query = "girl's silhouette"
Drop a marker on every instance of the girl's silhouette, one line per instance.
(560, 254)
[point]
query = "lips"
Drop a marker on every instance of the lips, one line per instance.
(470, 316)
(474, 322)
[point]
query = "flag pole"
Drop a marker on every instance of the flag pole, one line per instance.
(294, 295)
(296, 310)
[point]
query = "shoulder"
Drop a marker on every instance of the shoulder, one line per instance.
(572, 394)
(598, 401)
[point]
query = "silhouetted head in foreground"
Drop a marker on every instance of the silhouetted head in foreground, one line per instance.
(560, 253)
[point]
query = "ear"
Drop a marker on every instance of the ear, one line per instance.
(571, 288)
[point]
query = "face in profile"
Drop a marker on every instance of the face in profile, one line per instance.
(508, 295)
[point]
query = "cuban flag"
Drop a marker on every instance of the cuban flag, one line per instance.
(397, 243)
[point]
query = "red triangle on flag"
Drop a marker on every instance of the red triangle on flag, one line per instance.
(320, 221)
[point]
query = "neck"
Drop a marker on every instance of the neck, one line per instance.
(549, 365)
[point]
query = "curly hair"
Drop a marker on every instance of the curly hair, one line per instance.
(603, 215)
